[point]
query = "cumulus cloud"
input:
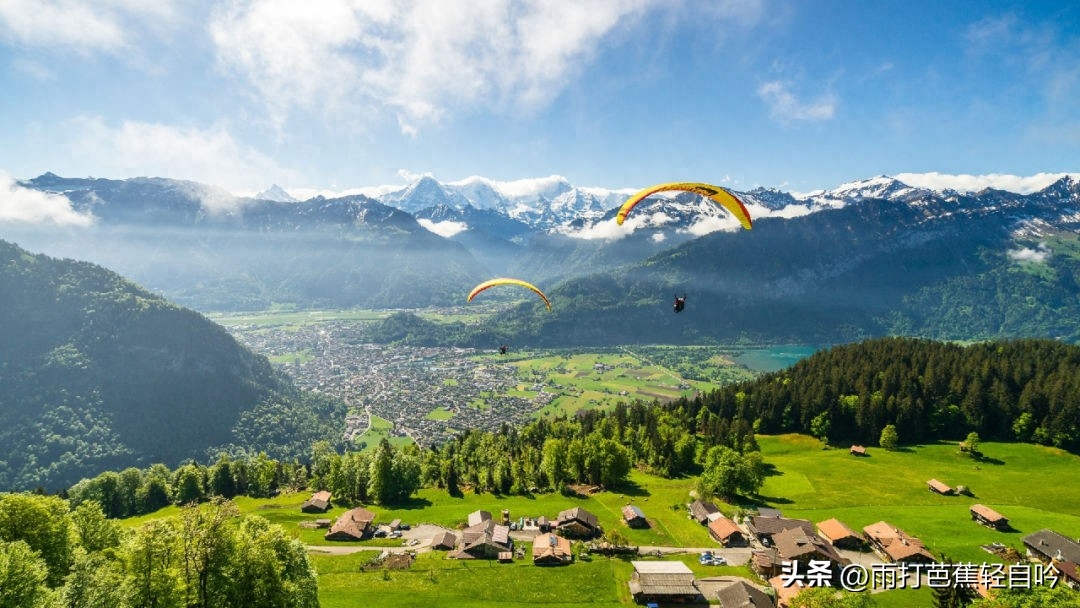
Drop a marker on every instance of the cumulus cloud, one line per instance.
(975, 183)
(444, 229)
(1027, 254)
(18, 204)
(786, 107)
(212, 156)
(420, 58)
(99, 26)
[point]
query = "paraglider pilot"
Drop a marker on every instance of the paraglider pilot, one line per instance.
(680, 303)
(502, 349)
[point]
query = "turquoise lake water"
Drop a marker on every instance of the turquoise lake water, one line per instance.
(776, 357)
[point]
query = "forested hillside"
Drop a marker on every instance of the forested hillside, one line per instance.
(1022, 390)
(98, 373)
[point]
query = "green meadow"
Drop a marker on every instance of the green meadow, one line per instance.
(1032, 485)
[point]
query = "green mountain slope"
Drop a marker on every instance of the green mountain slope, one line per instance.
(98, 373)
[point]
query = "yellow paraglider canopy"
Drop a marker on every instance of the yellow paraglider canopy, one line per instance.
(716, 193)
(507, 281)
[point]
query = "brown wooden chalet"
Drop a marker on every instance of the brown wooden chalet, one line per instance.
(764, 527)
(989, 517)
(318, 503)
(937, 486)
(857, 450)
(663, 582)
(703, 512)
(766, 562)
(736, 592)
(551, 550)
(634, 517)
(577, 523)
(841, 536)
(795, 545)
(485, 540)
(725, 532)
(443, 541)
(354, 524)
(895, 545)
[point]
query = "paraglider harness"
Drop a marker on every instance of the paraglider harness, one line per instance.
(680, 303)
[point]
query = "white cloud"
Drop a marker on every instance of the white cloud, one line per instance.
(444, 229)
(420, 59)
(786, 107)
(607, 230)
(210, 156)
(412, 176)
(18, 204)
(975, 183)
(1027, 254)
(82, 25)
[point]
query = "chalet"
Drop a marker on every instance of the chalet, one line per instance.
(477, 517)
(318, 503)
(725, 532)
(443, 541)
(634, 517)
(551, 550)
(735, 592)
(764, 527)
(485, 540)
(354, 524)
(1070, 574)
(989, 517)
(700, 511)
(857, 450)
(766, 563)
(936, 486)
(577, 523)
(795, 545)
(784, 594)
(841, 536)
(1047, 545)
(895, 545)
(663, 582)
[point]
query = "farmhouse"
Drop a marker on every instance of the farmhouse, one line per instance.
(841, 536)
(485, 540)
(634, 517)
(795, 545)
(443, 541)
(763, 528)
(318, 503)
(737, 592)
(939, 487)
(701, 511)
(895, 544)
(551, 550)
(354, 524)
(989, 517)
(577, 523)
(725, 532)
(1047, 545)
(663, 582)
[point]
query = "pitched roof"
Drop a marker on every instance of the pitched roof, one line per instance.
(577, 514)
(771, 525)
(631, 512)
(723, 528)
(834, 530)
(741, 594)
(443, 540)
(939, 487)
(1050, 543)
(793, 544)
(479, 516)
(550, 547)
(700, 509)
(352, 523)
(988, 514)
(895, 542)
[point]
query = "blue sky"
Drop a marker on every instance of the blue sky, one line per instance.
(338, 94)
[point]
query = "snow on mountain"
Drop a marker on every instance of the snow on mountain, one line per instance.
(277, 194)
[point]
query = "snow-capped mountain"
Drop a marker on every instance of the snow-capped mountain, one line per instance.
(277, 194)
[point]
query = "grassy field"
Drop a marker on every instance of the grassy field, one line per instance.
(1032, 485)
(295, 318)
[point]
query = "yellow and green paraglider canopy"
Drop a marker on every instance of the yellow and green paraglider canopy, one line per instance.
(507, 281)
(716, 193)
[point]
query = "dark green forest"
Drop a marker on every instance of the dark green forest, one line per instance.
(98, 373)
(1022, 390)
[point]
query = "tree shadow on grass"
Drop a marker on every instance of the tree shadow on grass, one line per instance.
(411, 503)
(630, 488)
(774, 500)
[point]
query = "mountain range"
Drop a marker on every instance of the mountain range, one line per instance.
(872, 257)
